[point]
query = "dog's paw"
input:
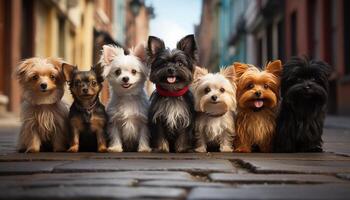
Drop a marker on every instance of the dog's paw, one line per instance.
(226, 149)
(201, 149)
(102, 149)
(32, 150)
(115, 149)
(160, 150)
(73, 149)
(243, 150)
(144, 149)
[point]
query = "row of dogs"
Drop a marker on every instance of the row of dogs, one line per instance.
(242, 108)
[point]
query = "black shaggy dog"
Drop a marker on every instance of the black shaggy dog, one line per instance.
(87, 115)
(171, 112)
(304, 91)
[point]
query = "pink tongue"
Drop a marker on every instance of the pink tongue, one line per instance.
(171, 79)
(258, 103)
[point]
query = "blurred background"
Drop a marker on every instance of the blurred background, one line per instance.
(252, 31)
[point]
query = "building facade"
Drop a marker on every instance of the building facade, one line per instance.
(74, 30)
(258, 31)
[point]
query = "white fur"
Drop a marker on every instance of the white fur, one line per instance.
(174, 111)
(128, 107)
(211, 126)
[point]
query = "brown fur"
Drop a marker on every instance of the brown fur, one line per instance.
(256, 126)
(43, 115)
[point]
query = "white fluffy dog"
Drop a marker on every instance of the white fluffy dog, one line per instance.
(128, 105)
(215, 104)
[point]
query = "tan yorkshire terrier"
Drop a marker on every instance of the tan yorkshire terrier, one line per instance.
(215, 106)
(43, 114)
(258, 98)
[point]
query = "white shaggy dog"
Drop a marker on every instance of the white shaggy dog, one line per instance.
(128, 105)
(215, 104)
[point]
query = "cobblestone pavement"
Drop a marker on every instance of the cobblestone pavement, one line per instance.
(177, 176)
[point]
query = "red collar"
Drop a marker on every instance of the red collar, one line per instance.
(166, 93)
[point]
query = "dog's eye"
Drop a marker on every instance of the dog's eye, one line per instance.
(35, 77)
(250, 86)
(118, 72)
(222, 90)
(207, 90)
(133, 71)
(93, 83)
(52, 77)
(180, 64)
(266, 86)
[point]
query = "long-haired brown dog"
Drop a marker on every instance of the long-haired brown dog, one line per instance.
(258, 97)
(43, 114)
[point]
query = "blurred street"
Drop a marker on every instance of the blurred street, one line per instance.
(178, 176)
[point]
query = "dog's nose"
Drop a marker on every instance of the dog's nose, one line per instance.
(43, 86)
(85, 90)
(214, 97)
(125, 79)
(307, 86)
(171, 71)
(257, 93)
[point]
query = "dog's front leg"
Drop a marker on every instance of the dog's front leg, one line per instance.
(160, 141)
(144, 140)
(201, 145)
(115, 144)
(101, 141)
(75, 140)
(183, 142)
(226, 143)
(34, 143)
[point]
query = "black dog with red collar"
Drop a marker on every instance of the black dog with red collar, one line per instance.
(171, 114)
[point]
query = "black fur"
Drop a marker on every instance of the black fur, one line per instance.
(180, 63)
(304, 92)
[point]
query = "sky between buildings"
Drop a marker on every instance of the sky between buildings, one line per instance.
(174, 19)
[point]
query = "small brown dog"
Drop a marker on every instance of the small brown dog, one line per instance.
(258, 97)
(43, 114)
(87, 115)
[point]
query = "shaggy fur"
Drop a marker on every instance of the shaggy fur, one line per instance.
(258, 98)
(43, 114)
(171, 117)
(128, 105)
(215, 104)
(87, 116)
(304, 91)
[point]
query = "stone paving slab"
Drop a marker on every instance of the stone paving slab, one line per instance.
(64, 182)
(297, 166)
(7, 168)
(46, 156)
(274, 178)
(323, 191)
(79, 192)
(208, 165)
(139, 175)
(185, 184)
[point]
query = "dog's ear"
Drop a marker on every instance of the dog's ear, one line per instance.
(140, 52)
(240, 68)
(109, 52)
(154, 46)
(98, 69)
(199, 72)
(68, 70)
(274, 68)
(230, 73)
(23, 68)
(189, 46)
